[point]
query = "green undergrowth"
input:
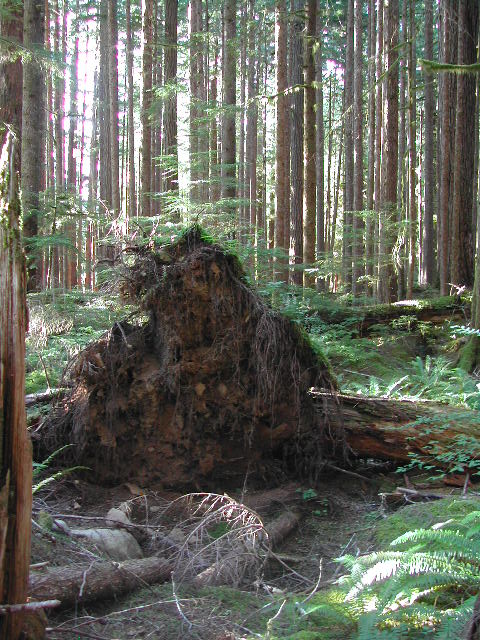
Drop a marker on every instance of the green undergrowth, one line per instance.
(60, 325)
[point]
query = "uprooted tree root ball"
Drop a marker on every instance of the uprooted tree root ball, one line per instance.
(212, 387)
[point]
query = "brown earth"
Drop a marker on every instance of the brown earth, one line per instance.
(212, 388)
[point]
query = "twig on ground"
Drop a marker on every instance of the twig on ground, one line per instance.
(317, 584)
(270, 622)
(284, 564)
(84, 579)
(28, 606)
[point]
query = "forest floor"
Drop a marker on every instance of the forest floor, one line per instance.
(296, 595)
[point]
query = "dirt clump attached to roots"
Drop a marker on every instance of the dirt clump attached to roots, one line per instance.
(211, 388)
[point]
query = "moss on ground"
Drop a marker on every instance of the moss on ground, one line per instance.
(422, 515)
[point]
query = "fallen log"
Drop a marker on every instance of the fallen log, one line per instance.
(99, 581)
(222, 571)
(385, 429)
(43, 397)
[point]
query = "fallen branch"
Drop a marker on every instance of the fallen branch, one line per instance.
(100, 581)
(28, 606)
(42, 397)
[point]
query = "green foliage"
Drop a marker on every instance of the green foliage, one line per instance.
(60, 325)
(40, 467)
(426, 583)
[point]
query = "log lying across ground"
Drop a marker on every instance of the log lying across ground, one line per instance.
(99, 581)
(392, 430)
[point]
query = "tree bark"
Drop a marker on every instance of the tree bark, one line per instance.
(229, 101)
(349, 147)
(378, 141)
(170, 109)
(33, 134)
(320, 150)
(15, 450)
(132, 194)
(428, 239)
(147, 71)
(100, 581)
(296, 147)
(447, 140)
(309, 193)
(369, 231)
(113, 99)
(387, 283)
(358, 223)
(462, 243)
(412, 151)
(281, 164)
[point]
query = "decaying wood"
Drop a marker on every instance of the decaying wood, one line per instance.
(278, 530)
(31, 399)
(384, 429)
(98, 581)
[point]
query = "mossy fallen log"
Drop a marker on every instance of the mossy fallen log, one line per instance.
(398, 431)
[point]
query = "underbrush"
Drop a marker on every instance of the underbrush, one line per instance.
(60, 326)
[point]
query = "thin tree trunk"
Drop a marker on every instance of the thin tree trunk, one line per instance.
(213, 100)
(388, 288)
(402, 178)
(349, 146)
(296, 148)
(170, 109)
(378, 140)
(428, 240)
(33, 134)
(369, 245)
(132, 194)
(113, 98)
(229, 101)
(147, 72)
(358, 224)
(309, 193)
(252, 118)
(70, 254)
(320, 150)
(281, 165)
(242, 212)
(447, 132)
(412, 134)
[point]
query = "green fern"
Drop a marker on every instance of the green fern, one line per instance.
(425, 586)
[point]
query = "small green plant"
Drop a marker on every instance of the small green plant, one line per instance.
(40, 467)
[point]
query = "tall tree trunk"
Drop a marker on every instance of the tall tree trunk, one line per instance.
(402, 178)
(105, 171)
(170, 109)
(242, 212)
(320, 149)
(447, 139)
(462, 245)
(412, 149)
(378, 139)
(281, 164)
(33, 133)
(309, 192)
(358, 224)
(229, 100)
(71, 255)
(15, 451)
(92, 193)
(132, 194)
(388, 286)
(252, 118)
(296, 148)
(349, 146)
(147, 70)
(113, 98)
(59, 103)
(428, 240)
(213, 100)
(369, 245)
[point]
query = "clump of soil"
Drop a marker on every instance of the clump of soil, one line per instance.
(211, 389)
